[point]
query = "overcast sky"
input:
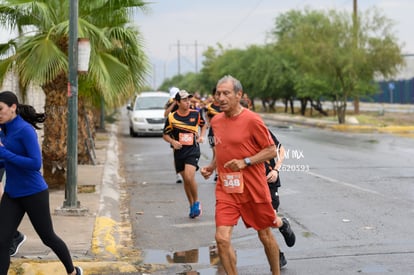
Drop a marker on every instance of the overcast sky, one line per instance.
(197, 24)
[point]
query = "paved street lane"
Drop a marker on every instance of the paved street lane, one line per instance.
(349, 198)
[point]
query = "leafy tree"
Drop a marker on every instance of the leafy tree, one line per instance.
(208, 74)
(263, 70)
(172, 82)
(39, 55)
(327, 46)
(231, 62)
(274, 75)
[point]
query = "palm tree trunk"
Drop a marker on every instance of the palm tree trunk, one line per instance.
(86, 132)
(54, 146)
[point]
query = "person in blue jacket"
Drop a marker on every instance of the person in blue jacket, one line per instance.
(26, 191)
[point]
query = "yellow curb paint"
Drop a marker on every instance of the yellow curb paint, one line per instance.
(103, 240)
(407, 130)
(56, 268)
(398, 129)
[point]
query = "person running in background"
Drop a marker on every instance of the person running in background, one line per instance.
(273, 167)
(182, 131)
(242, 145)
(249, 103)
(18, 237)
(26, 191)
(212, 109)
(171, 106)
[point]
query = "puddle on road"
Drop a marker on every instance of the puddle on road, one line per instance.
(199, 256)
(203, 256)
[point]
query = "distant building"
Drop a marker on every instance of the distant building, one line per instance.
(34, 97)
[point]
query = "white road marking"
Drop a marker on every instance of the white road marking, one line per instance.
(345, 184)
(194, 224)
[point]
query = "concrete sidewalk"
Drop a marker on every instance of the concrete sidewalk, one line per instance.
(97, 237)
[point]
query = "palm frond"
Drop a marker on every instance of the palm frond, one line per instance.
(5, 67)
(49, 59)
(112, 78)
(6, 49)
(22, 14)
(118, 62)
(105, 13)
(96, 35)
(128, 49)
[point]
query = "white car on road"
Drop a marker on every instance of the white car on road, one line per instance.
(146, 113)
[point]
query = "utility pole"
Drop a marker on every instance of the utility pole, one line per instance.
(179, 45)
(154, 78)
(196, 56)
(355, 7)
(72, 154)
(164, 76)
(71, 205)
(178, 57)
(355, 37)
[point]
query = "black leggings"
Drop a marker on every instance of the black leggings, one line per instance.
(37, 208)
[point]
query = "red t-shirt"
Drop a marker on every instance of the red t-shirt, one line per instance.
(239, 137)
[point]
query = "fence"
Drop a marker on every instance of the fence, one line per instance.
(400, 91)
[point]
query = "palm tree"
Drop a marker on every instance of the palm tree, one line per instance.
(39, 55)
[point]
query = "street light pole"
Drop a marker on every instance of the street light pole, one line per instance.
(72, 146)
(355, 37)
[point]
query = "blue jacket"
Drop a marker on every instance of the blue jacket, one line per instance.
(22, 158)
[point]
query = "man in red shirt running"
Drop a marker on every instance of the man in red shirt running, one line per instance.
(242, 145)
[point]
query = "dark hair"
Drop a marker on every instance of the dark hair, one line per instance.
(27, 112)
(244, 103)
(214, 90)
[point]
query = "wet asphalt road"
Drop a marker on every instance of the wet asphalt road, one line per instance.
(349, 198)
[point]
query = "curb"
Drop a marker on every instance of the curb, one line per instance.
(405, 131)
(105, 235)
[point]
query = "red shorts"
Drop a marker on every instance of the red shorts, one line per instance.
(256, 215)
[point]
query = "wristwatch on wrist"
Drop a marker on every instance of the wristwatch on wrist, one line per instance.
(247, 161)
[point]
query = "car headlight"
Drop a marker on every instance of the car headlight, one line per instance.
(139, 120)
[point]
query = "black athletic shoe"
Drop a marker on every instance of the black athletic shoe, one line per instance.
(282, 260)
(18, 240)
(287, 233)
(79, 270)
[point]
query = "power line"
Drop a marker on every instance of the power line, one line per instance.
(242, 20)
(179, 45)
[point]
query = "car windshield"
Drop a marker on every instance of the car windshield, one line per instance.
(150, 103)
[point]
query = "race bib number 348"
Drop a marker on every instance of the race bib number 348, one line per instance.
(232, 182)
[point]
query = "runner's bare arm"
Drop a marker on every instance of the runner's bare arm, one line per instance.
(169, 109)
(174, 143)
(200, 139)
(208, 170)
